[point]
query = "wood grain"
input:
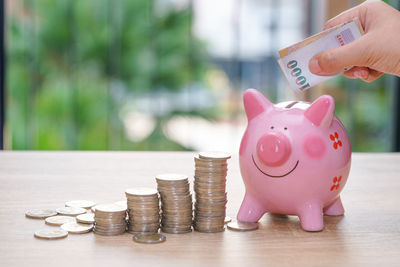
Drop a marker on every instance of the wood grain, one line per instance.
(368, 235)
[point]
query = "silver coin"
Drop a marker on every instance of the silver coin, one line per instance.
(141, 191)
(86, 204)
(40, 213)
(77, 228)
(214, 155)
(70, 211)
(51, 234)
(149, 238)
(109, 208)
(227, 219)
(242, 226)
(59, 220)
(87, 218)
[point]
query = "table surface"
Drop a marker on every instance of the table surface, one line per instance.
(368, 234)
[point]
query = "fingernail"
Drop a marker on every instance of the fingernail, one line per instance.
(314, 66)
(357, 74)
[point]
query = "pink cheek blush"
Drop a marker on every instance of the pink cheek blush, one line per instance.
(314, 146)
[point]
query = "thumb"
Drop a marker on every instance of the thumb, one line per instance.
(336, 59)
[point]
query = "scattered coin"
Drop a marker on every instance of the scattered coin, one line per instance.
(149, 238)
(86, 204)
(70, 211)
(77, 228)
(51, 234)
(87, 218)
(242, 226)
(40, 213)
(59, 220)
(227, 219)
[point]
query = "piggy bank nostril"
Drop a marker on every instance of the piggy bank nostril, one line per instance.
(273, 149)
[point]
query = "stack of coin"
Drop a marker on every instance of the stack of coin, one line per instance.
(209, 186)
(109, 219)
(143, 210)
(176, 203)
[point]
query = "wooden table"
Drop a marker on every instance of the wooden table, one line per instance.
(369, 233)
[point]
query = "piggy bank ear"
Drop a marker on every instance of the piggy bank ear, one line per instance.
(321, 111)
(255, 103)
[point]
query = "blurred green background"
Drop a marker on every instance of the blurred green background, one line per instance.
(134, 75)
(72, 65)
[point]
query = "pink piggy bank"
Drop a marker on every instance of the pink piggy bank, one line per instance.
(294, 159)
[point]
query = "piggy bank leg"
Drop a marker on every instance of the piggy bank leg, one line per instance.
(250, 210)
(311, 217)
(334, 209)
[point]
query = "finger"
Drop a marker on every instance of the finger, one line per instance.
(336, 59)
(357, 11)
(373, 75)
(357, 73)
(363, 73)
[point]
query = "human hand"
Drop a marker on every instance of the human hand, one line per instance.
(374, 53)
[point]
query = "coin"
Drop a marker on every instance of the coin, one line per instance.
(143, 210)
(208, 163)
(70, 211)
(51, 234)
(108, 233)
(199, 161)
(59, 220)
(141, 191)
(121, 203)
(110, 219)
(40, 213)
(86, 204)
(85, 218)
(109, 208)
(210, 173)
(209, 229)
(147, 228)
(149, 238)
(176, 203)
(173, 230)
(171, 177)
(242, 226)
(227, 219)
(77, 228)
(214, 155)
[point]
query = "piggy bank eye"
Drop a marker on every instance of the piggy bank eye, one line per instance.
(272, 127)
(285, 128)
(314, 146)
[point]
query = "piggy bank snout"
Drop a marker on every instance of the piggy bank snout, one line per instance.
(273, 149)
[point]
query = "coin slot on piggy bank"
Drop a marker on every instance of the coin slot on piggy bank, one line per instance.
(290, 155)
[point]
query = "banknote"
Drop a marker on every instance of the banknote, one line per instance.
(295, 58)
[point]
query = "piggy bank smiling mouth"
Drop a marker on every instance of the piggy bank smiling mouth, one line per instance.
(274, 176)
